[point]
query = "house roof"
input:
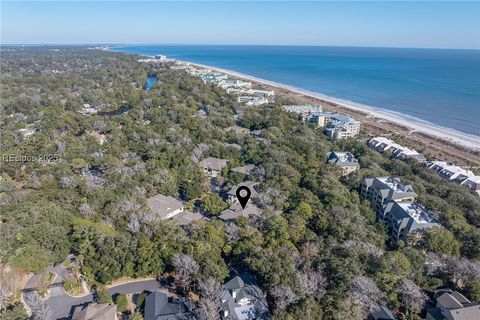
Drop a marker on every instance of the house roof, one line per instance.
(248, 169)
(236, 211)
(187, 217)
(382, 313)
(234, 283)
(342, 159)
(163, 205)
(213, 163)
(103, 311)
(252, 185)
(157, 307)
(243, 302)
(451, 300)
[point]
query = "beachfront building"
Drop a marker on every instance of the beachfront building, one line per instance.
(405, 218)
(381, 190)
(397, 151)
(235, 83)
(340, 126)
(213, 166)
(252, 100)
(472, 183)
(450, 172)
(261, 93)
(345, 160)
(165, 207)
(303, 108)
(456, 174)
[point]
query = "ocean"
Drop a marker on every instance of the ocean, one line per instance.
(439, 86)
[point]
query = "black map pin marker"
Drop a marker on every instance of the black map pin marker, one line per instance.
(244, 196)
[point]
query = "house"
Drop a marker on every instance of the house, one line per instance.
(452, 305)
(382, 190)
(159, 307)
(242, 301)
(248, 169)
(382, 313)
(94, 311)
(232, 193)
(213, 166)
(235, 211)
(345, 160)
(165, 207)
(87, 110)
(382, 144)
(405, 218)
(186, 217)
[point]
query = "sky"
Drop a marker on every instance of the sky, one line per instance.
(420, 24)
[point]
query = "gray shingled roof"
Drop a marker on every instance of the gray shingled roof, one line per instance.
(103, 311)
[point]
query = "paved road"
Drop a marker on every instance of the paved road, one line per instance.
(62, 305)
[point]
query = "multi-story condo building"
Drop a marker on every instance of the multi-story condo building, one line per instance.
(382, 190)
(303, 109)
(456, 174)
(338, 126)
(405, 218)
(382, 144)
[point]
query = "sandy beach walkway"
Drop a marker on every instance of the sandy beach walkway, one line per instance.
(451, 135)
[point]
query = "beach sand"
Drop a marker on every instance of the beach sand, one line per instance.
(434, 141)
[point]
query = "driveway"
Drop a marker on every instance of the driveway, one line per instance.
(62, 305)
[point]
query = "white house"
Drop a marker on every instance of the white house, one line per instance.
(165, 206)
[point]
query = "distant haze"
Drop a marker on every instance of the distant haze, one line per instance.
(423, 24)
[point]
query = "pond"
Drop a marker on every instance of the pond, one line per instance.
(151, 80)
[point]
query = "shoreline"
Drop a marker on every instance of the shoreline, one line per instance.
(435, 131)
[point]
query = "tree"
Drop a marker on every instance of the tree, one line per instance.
(442, 241)
(365, 293)
(473, 290)
(136, 316)
(122, 302)
(40, 310)
(312, 283)
(186, 268)
(14, 312)
(212, 204)
(210, 291)
(283, 297)
(103, 296)
(5, 294)
(411, 296)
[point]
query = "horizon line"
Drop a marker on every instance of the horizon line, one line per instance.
(219, 44)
